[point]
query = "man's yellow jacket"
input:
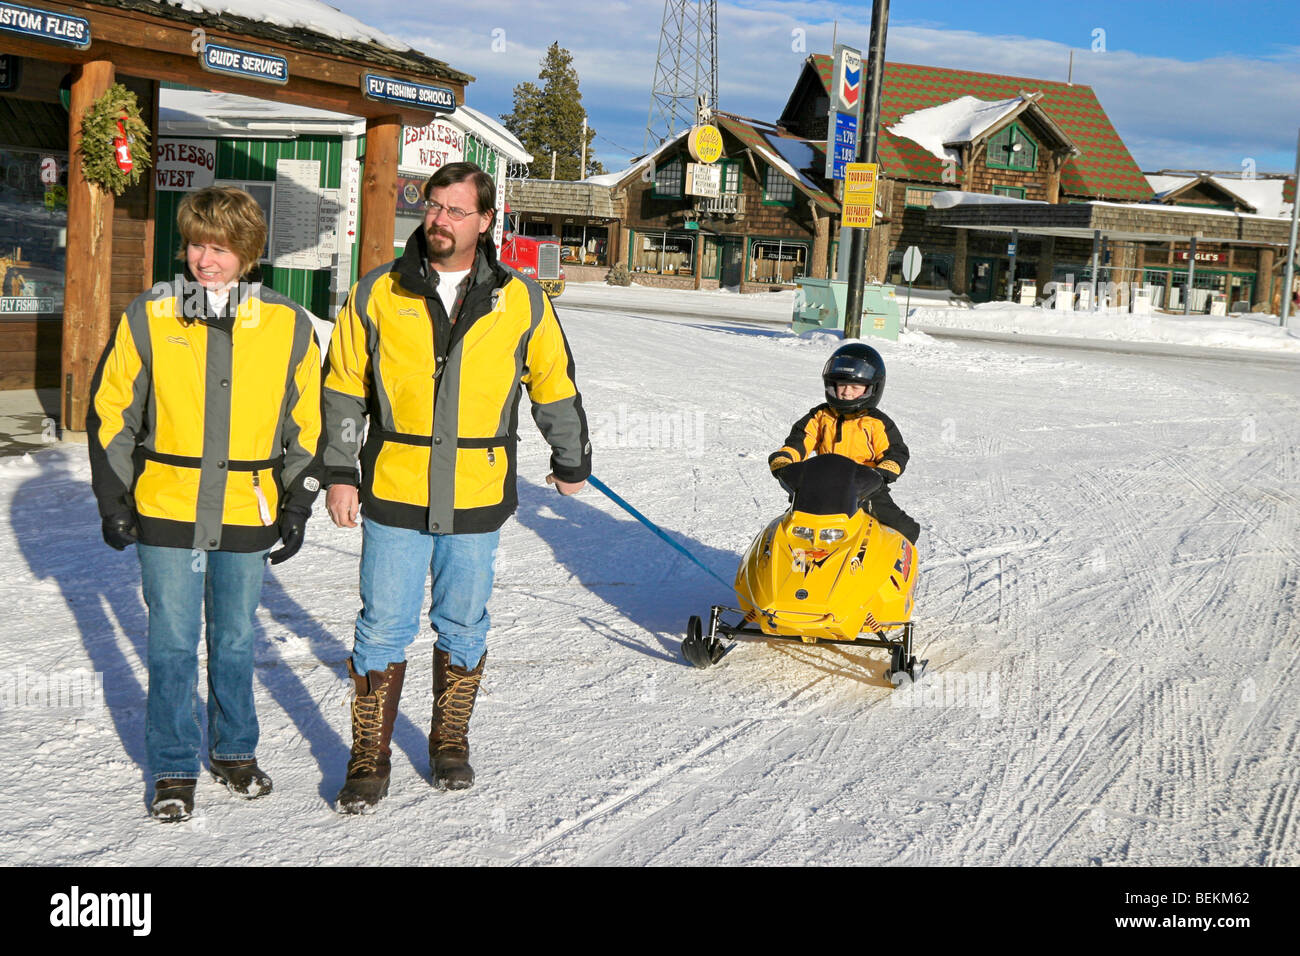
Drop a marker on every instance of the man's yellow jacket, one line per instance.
(207, 425)
(441, 393)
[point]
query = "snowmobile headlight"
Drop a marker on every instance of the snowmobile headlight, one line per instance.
(831, 534)
(799, 531)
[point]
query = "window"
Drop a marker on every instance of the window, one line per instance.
(670, 179)
(33, 234)
(730, 176)
(777, 261)
(936, 271)
(1015, 192)
(777, 189)
(264, 193)
(583, 245)
(663, 253)
(1012, 148)
(916, 197)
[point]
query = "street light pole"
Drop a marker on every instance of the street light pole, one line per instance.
(866, 154)
(1290, 249)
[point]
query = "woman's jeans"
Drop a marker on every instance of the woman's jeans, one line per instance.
(182, 588)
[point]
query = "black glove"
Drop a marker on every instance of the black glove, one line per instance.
(121, 530)
(293, 525)
(788, 476)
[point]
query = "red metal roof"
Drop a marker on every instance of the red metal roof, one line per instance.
(1105, 170)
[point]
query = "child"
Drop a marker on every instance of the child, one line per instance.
(849, 424)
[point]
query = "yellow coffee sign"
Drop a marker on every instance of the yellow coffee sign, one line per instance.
(705, 144)
(860, 195)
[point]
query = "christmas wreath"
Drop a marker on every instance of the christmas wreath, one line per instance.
(114, 141)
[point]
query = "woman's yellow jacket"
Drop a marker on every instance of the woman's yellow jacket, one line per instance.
(207, 426)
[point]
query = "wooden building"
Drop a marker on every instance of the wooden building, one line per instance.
(79, 254)
(770, 225)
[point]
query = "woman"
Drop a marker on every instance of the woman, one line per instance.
(203, 427)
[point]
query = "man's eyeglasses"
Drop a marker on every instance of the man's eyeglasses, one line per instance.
(456, 214)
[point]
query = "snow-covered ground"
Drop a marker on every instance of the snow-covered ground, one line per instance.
(1107, 601)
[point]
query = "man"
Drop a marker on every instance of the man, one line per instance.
(434, 348)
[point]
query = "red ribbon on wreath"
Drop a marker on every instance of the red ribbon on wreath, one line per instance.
(123, 148)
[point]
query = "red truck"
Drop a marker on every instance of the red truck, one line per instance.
(536, 257)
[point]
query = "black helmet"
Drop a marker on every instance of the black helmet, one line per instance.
(854, 364)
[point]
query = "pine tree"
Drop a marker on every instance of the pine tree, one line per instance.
(549, 118)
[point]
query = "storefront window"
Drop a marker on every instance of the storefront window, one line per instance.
(663, 254)
(33, 231)
(776, 261)
(936, 271)
(584, 245)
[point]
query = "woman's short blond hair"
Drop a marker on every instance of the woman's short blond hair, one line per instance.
(226, 216)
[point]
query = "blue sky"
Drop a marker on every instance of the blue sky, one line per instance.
(1188, 85)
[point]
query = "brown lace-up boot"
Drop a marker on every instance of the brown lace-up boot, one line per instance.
(454, 690)
(374, 711)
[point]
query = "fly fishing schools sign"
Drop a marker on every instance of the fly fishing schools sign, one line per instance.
(385, 89)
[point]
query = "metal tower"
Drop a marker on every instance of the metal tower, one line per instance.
(685, 69)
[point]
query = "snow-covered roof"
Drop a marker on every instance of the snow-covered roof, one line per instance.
(1265, 195)
(189, 112)
(296, 15)
(955, 197)
(613, 179)
(957, 121)
(491, 132)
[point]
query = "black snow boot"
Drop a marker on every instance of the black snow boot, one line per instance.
(243, 778)
(173, 799)
(374, 711)
(454, 692)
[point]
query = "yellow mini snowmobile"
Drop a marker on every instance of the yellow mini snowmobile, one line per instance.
(823, 572)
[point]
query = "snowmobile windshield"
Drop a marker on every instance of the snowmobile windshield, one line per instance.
(829, 484)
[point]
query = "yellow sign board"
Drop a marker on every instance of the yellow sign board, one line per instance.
(860, 195)
(705, 143)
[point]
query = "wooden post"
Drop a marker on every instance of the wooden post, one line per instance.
(88, 274)
(379, 191)
(1263, 278)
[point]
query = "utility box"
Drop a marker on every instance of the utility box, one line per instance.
(1141, 304)
(1028, 292)
(820, 304)
(1063, 300)
(1085, 298)
(1218, 303)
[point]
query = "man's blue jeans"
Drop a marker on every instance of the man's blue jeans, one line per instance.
(181, 588)
(395, 563)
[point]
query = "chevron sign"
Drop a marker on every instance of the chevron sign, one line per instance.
(850, 88)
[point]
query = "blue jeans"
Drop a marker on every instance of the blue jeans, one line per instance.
(395, 563)
(224, 588)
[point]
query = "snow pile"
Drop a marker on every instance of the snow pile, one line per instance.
(1256, 331)
(297, 15)
(957, 121)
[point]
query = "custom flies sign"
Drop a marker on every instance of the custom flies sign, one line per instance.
(46, 25)
(385, 89)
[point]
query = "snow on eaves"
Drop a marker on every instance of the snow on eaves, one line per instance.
(297, 15)
(955, 197)
(957, 121)
(613, 179)
(1265, 194)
